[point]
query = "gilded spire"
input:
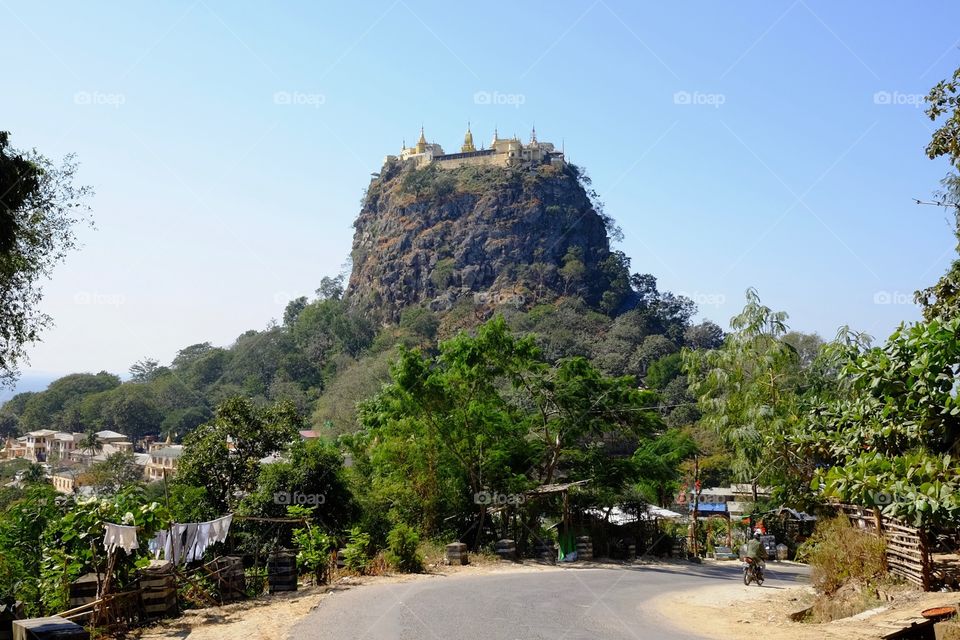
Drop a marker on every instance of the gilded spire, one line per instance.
(468, 141)
(422, 142)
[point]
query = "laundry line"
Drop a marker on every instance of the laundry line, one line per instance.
(181, 543)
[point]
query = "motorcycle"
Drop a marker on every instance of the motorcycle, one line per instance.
(752, 571)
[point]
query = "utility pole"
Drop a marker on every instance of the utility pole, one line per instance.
(696, 504)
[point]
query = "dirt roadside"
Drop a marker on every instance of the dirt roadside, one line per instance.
(732, 610)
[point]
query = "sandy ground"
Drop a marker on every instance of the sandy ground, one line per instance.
(734, 611)
(272, 617)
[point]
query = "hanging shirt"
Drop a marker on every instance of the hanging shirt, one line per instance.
(118, 536)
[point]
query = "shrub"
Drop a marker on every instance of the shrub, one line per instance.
(402, 554)
(256, 580)
(839, 554)
(314, 554)
(356, 555)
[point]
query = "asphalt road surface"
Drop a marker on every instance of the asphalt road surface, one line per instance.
(575, 603)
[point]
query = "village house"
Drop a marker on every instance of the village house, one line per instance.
(62, 445)
(38, 444)
(14, 448)
(66, 481)
(163, 460)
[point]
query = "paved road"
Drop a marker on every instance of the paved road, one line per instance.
(571, 604)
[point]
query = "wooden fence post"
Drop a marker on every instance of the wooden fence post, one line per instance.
(924, 559)
(878, 521)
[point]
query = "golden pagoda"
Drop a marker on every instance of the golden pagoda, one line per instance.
(468, 142)
(422, 142)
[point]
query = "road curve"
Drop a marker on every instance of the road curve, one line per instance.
(572, 603)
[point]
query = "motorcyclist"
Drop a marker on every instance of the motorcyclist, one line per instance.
(754, 550)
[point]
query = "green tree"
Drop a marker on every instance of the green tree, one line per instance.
(293, 310)
(314, 470)
(942, 300)
(705, 335)
(223, 456)
(117, 472)
(944, 100)
(748, 394)
(488, 414)
(22, 524)
(889, 434)
(52, 407)
(40, 207)
(659, 461)
(145, 370)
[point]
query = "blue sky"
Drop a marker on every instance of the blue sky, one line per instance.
(768, 144)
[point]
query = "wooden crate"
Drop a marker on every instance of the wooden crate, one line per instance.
(230, 577)
(52, 628)
(506, 549)
(83, 590)
(456, 553)
(158, 590)
(545, 551)
(584, 548)
(282, 571)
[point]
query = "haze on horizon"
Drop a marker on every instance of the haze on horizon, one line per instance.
(774, 145)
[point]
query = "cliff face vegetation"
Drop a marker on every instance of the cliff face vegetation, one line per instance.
(486, 236)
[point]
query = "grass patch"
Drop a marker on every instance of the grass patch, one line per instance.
(846, 567)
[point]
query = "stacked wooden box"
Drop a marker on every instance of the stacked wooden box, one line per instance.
(282, 571)
(506, 549)
(457, 553)
(52, 628)
(158, 590)
(230, 577)
(83, 591)
(545, 550)
(584, 548)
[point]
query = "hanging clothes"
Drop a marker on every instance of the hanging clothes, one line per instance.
(188, 542)
(158, 543)
(177, 535)
(220, 528)
(118, 536)
(203, 541)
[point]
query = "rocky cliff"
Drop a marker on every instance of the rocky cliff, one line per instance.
(480, 237)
